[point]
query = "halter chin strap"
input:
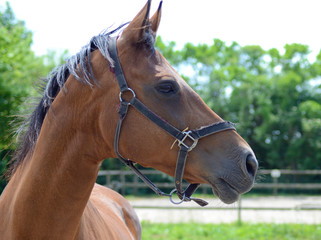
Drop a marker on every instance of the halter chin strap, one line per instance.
(187, 140)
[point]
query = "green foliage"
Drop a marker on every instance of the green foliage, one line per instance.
(273, 97)
(191, 231)
(20, 69)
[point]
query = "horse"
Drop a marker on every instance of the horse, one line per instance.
(118, 97)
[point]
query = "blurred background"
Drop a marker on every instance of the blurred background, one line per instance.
(255, 63)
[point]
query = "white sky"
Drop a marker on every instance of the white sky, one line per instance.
(69, 24)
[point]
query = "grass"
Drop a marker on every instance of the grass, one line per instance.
(230, 231)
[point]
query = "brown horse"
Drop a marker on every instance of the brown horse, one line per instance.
(52, 192)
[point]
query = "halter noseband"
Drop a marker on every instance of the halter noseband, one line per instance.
(187, 140)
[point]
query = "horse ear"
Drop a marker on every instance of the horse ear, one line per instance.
(155, 19)
(138, 26)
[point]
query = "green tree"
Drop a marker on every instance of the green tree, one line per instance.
(271, 96)
(20, 68)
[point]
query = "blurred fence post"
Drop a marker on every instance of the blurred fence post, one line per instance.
(239, 211)
(108, 181)
(123, 182)
(275, 174)
(135, 184)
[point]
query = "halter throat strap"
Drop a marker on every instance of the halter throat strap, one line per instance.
(187, 140)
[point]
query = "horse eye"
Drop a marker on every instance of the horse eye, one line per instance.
(167, 88)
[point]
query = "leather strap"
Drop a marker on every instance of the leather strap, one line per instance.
(181, 136)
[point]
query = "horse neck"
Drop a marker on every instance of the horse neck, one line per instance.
(55, 183)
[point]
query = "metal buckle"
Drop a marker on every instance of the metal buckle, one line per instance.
(126, 90)
(187, 135)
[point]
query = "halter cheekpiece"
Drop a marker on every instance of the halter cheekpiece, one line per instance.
(187, 140)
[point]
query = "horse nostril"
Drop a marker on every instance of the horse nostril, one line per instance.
(251, 165)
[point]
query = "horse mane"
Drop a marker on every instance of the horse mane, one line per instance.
(80, 67)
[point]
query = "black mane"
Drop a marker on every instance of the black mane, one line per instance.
(80, 67)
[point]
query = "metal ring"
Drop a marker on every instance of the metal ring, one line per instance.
(121, 93)
(171, 197)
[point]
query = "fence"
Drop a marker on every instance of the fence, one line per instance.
(274, 180)
(121, 180)
(276, 185)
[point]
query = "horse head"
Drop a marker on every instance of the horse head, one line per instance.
(223, 160)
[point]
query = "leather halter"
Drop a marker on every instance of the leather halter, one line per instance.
(187, 140)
